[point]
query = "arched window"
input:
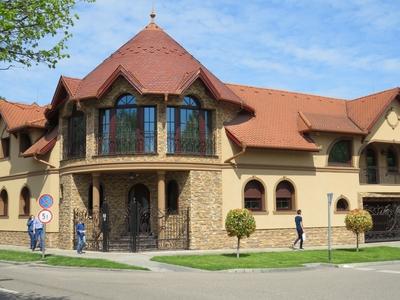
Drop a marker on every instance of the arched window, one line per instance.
(391, 160)
(127, 128)
(189, 129)
(3, 203)
(342, 205)
(254, 195)
(24, 202)
(285, 196)
(24, 142)
(172, 196)
(90, 199)
(341, 153)
(76, 144)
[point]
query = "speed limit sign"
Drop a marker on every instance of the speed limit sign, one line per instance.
(45, 216)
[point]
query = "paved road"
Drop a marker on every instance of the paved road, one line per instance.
(364, 282)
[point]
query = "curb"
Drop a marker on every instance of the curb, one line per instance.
(372, 263)
(305, 267)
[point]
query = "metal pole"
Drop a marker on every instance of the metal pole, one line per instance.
(330, 196)
(44, 241)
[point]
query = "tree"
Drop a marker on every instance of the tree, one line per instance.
(240, 223)
(24, 24)
(358, 221)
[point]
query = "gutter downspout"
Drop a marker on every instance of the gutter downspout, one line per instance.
(43, 162)
(229, 160)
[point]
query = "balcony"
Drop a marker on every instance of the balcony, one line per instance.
(383, 175)
(191, 145)
(128, 144)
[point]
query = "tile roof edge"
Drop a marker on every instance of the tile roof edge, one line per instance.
(374, 94)
(47, 148)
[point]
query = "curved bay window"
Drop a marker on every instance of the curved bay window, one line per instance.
(3, 203)
(127, 128)
(24, 202)
(341, 153)
(342, 205)
(76, 145)
(391, 160)
(285, 196)
(190, 129)
(254, 195)
(172, 197)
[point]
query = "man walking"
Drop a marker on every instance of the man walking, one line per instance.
(300, 230)
(31, 232)
(80, 233)
(38, 232)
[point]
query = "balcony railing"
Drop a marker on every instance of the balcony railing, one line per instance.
(191, 145)
(74, 151)
(128, 144)
(383, 175)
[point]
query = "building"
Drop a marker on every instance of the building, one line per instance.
(152, 150)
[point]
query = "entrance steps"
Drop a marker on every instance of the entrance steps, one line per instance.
(143, 243)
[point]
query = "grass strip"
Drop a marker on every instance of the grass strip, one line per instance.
(66, 261)
(284, 259)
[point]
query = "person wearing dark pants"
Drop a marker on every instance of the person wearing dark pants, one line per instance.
(38, 231)
(300, 230)
(80, 233)
(31, 232)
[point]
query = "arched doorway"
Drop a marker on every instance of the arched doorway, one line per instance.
(372, 167)
(139, 206)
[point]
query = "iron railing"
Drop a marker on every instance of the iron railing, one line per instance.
(133, 143)
(382, 175)
(74, 151)
(193, 145)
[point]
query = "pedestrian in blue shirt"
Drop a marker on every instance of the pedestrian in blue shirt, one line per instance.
(300, 230)
(80, 233)
(31, 232)
(39, 234)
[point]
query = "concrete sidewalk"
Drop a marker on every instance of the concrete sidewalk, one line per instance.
(142, 259)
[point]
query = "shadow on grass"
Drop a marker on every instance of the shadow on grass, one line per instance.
(350, 250)
(234, 255)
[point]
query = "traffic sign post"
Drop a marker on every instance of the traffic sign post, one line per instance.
(330, 197)
(45, 216)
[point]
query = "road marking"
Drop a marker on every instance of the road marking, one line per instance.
(389, 271)
(8, 291)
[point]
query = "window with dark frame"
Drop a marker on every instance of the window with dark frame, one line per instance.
(76, 146)
(391, 160)
(341, 153)
(24, 202)
(284, 196)
(5, 147)
(254, 196)
(172, 197)
(342, 205)
(24, 142)
(189, 129)
(127, 128)
(3, 203)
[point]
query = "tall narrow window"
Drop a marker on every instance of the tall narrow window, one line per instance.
(189, 129)
(341, 153)
(76, 145)
(24, 142)
(254, 195)
(3, 203)
(127, 128)
(391, 160)
(285, 196)
(5, 147)
(172, 196)
(24, 202)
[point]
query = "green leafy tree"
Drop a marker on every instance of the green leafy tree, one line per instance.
(358, 221)
(25, 23)
(240, 223)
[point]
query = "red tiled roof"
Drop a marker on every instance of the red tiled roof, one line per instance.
(43, 145)
(71, 84)
(365, 111)
(154, 63)
(18, 115)
(275, 124)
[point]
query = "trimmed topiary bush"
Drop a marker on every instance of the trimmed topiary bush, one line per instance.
(240, 223)
(358, 221)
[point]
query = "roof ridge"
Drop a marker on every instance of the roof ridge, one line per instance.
(285, 91)
(23, 105)
(377, 93)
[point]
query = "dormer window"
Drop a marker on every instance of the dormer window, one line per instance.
(190, 129)
(341, 153)
(24, 142)
(5, 147)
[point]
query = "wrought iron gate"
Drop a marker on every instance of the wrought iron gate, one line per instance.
(386, 220)
(93, 230)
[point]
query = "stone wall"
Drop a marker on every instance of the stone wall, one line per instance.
(19, 238)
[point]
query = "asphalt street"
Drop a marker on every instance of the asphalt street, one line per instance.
(352, 282)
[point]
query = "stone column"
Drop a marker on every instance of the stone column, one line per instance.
(96, 193)
(161, 202)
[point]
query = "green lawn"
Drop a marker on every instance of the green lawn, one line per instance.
(56, 260)
(280, 259)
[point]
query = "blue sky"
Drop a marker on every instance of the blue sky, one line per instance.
(343, 49)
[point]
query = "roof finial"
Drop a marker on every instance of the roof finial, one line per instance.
(152, 14)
